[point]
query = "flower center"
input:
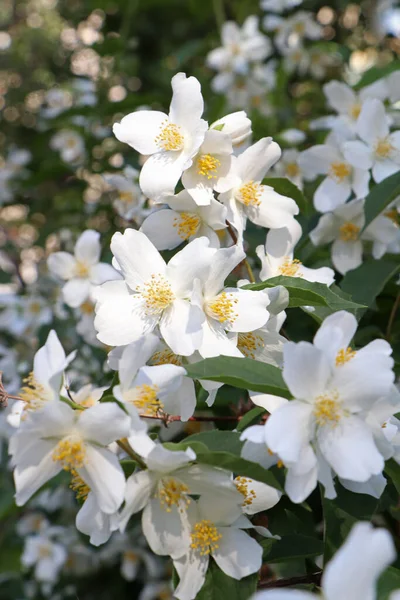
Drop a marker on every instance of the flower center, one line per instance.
(171, 492)
(327, 410)
(131, 556)
(35, 308)
(70, 451)
(383, 148)
(44, 550)
(393, 215)
(348, 232)
(166, 357)
(290, 268)
(80, 488)
(33, 393)
(125, 197)
(249, 194)
(205, 537)
(81, 270)
(157, 294)
(292, 170)
(170, 137)
(87, 308)
(207, 165)
(242, 486)
(339, 171)
(144, 398)
(344, 355)
(187, 225)
(222, 308)
(355, 110)
(249, 344)
(299, 28)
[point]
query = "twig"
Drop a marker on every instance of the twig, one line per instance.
(167, 419)
(244, 262)
(279, 583)
(392, 317)
(124, 445)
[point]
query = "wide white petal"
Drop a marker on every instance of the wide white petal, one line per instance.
(192, 570)
(288, 430)
(103, 473)
(346, 255)
(28, 479)
(91, 521)
(335, 333)
(383, 169)
(140, 129)
(193, 262)
(161, 228)
(160, 174)
(163, 530)
(138, 489)
(187, 103)
(237, 555)
(104, 423)
(358, 154)
(265, 497)
(340, 96)
(215, 341)
(62, 264)
(76, 291)
(305, 370)
(331, 193)
(372, 124)
(253, 163)
(274, 210)
(181, 327)
(88, 248)
(222, 264)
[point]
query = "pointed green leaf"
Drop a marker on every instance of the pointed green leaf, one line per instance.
(218, 585)
(292, 547)
(380, 196)
(250, 418)
(287, 188)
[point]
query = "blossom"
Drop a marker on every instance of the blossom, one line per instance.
(152, 293)
(277, 257)
(354, 570)
(279, 6)
(342, 178)
(288, 166)
(70, 144)
(249, 198)
(171, 141)
(46, 555)
(82, 270)
(57, 437)
(91, 520)
(236, 125)
(294, 29)
(378, 149)
(333, 388)
(129, 201)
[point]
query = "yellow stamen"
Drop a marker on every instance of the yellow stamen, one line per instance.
(348, 232)
(171, 493)
(35, 308)
(187, 225)
(131, 556)
(81, 269)
(207, 165)
(355, 110)
(339, 171)
(205, 537)
(327, 410)
(249, 344)
(80, 488)
(290, 268)
(344, 355)
(44, 551)
(144, 397)
(383, 148)
(249, 194)
(242, 486)
(125, 197)
(157, 294)
(299, 28)
(393, 215)
(222, 308)
(292, 170)
(70, 451)
(170, 137)
(87, 308)
(33, 393)
(166, 357)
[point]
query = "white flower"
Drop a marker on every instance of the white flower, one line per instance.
(70, 144)
(46, 555)
(277, 257)
(152, 293)
(289, 167)
(89, 395)
(167, 229)
(343, 227)
(171, 140)
(293, 136)
(393, 86)
(333, 388)
(279, 6)
(227, 310)
(214, 531)
(237, 125)
(249, 198)
(379, 149)
(92, 521)
(354, 570)
(129, 202)
(257, 496)
(81, 270)
(341, 177)
(301, 25)
(57, 437)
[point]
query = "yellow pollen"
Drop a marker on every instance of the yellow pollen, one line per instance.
(81, 270)
(145, 400)
(339, 171)
(249, 344)
(70, 451)
(344, 355)
(131, 556)
(355, 110)
(280, 464)
(242, 486)
(125, 197)
(33, 393)
(35, 308)
(249, 194)
(299, 28)
(207, 165)
(157, 294)
(290, 268)
(205, 537)
(44, 551)
(222, 308)
(170, 137)
(383, 148)
(393, 215)
(348, 232)
(87, 308)
(80, 488)
(70, 143)
(171, 492)
(88, 402)
(187, 225)
(292, 169)
(327, 410)
(166, 357)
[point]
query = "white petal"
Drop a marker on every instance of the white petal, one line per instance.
(222, 264)
(161, 227)
(265, 497)
(340, 96)
(87, 247)
(31, 478)
(274, 210)
(160, 174)
(138, 489)
(103, 272)
(305, 370)
(335, 333)
(215, 341)
(187, 103)
(325, 231)
(383, 169)
(163, 460)
(104, 423)
(62, 264)
(192, 570)
(293, 417)
(372, 123)
(193, 262)
(181, 327)
(163, 530)
(140, 129)
(358, 154)
(253, 163)
(250, 308)
(238, 555)
(331, 194)
(76, 291)
(346, 255)
(91, 521)
(104, 475)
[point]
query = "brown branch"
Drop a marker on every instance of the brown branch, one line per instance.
(244, 262)
(314, 578)
(167, 419)
(392, 317)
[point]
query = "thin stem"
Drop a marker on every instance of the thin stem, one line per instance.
(244, 262)
(392, 317)
(205, 419)
(279, 583)
(219, 12)
(124, 445)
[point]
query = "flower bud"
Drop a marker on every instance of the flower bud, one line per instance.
(237, 125)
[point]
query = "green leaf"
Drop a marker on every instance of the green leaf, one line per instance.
(287, 188)
(250, 418)
(392, 469)
(292, 547)
(388, 582)
(218, 585)
(367, 281)
(380, 196)
(306, 293)
(229, 441)
(243, 373)
(239, 466)
(376, 73)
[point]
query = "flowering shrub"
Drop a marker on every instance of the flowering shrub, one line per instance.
(199, 301)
